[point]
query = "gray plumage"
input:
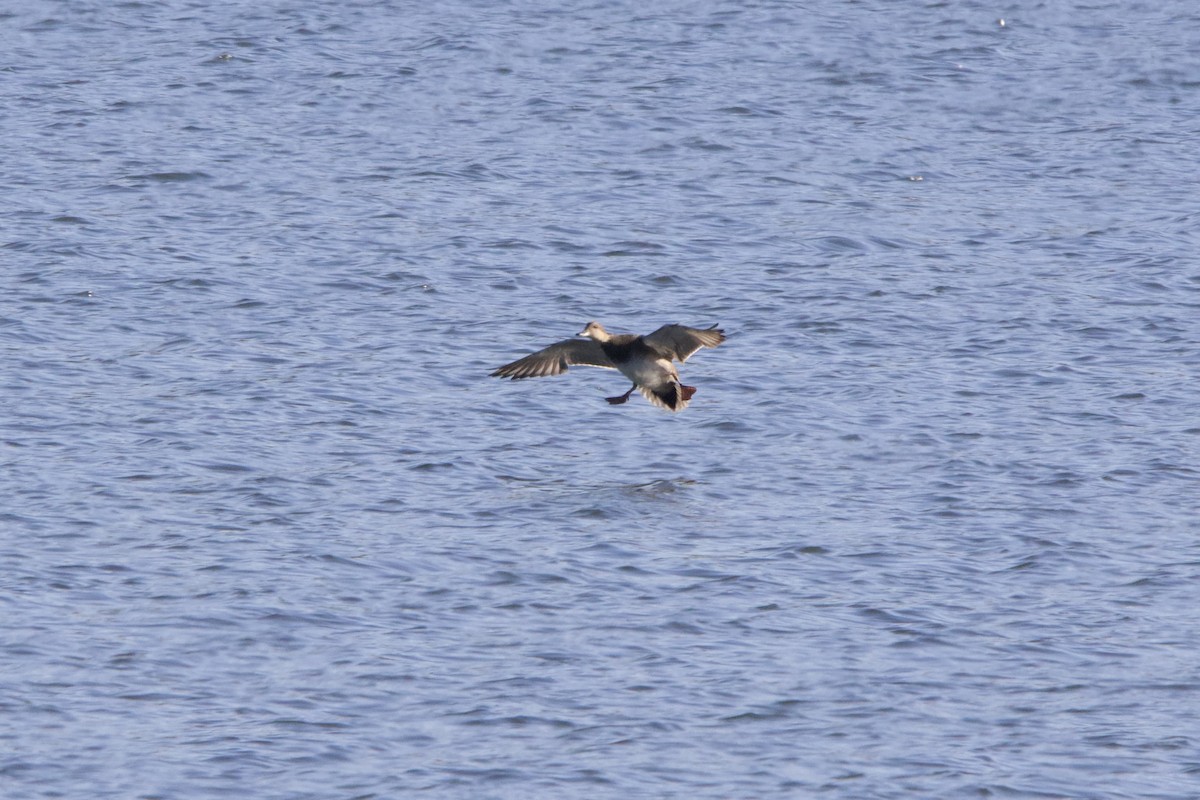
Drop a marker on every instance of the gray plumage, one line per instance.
(645, 360)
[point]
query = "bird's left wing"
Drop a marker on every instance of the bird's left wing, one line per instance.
(555, 359)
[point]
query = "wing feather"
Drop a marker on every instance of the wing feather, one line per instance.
(555, 359)
(680, 342)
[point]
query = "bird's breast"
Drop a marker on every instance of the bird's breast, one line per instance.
(647, 372)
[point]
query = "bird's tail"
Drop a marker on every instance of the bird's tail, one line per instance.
(672, 396)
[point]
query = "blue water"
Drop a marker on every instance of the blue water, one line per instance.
(929, 528)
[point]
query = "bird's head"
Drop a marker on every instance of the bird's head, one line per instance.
(595, 330)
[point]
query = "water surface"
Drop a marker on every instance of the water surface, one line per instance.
(928, 529)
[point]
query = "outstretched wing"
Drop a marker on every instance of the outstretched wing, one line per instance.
(555, 359)
(679, 341)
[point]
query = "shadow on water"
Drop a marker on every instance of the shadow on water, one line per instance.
(602, 499)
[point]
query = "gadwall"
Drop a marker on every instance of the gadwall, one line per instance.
(645, 360)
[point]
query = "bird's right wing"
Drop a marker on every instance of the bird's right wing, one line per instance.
(680, 342)
(555, 359)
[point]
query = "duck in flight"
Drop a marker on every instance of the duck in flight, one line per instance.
(645, 360)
